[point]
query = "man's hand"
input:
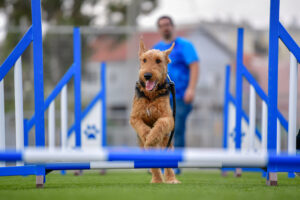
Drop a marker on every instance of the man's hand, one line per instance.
(189, 95)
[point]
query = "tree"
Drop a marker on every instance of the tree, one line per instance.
(58, 48)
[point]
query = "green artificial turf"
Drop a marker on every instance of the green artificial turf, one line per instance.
(134, 184)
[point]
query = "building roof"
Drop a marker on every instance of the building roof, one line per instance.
(111, 48)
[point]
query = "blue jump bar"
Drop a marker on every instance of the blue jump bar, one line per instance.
(156, 155)
(153, 159)
(11, 156)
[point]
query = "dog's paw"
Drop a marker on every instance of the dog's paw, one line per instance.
(173, 181)
(156, 180)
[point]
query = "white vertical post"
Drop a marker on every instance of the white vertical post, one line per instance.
(64, 117)
(252, 114)
(51, 125)
(264, 127)
(292, 105)
(278, 137)
(2, 119)
(19, 106)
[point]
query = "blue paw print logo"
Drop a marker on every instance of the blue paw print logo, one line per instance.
(91, 131)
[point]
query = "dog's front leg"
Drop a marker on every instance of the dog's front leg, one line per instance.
(140, 127)
(162, 127)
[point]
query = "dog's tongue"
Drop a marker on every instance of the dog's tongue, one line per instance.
(150, 85)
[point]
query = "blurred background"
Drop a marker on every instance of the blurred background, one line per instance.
(110, 32)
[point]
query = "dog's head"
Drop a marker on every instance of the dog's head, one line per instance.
(153, 66)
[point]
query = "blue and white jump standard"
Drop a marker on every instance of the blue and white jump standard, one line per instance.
(272, 119)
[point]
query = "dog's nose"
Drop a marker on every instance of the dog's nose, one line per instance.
(147, 76)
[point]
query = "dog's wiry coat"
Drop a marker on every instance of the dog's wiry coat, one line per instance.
(151, 114)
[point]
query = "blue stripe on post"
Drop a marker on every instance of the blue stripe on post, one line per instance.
(273, 75)
(157, 164)
(77, 85)
(16, 53)
(38, 73)
(226, 105)
(254, 83)
(65, 79)
(239, 89)
(231, 99)
(103, 96)
(258, 134)
(26, 136)
(289, 42)
(283, 122)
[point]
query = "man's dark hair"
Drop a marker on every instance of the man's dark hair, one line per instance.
(165, 17)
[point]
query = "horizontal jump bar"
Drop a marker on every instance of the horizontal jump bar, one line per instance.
(218, 158)
(155, 158)
(135, 165)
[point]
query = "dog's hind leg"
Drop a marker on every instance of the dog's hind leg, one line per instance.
(157, 176)
(169, 173)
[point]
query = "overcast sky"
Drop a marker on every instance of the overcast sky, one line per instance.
(254, 11)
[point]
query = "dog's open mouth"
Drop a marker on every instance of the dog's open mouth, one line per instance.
(150, 85)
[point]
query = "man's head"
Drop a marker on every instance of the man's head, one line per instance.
(166, 27)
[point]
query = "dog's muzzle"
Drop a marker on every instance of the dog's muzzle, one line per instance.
(148, 76)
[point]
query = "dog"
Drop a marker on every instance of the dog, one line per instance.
(151, 115)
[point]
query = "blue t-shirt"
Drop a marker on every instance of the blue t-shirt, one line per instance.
(181, 57)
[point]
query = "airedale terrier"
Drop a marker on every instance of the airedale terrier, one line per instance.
(151, 114)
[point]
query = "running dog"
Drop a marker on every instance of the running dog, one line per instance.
(151, 114)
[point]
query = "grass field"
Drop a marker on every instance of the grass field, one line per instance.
(196, 184)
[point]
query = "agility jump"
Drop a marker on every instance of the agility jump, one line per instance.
(37, 160)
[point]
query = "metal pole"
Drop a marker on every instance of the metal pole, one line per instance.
(239, 90)
(64, 117)
(103, 99)
(292, 105)
(19, 106)
(226, 108)
(264, 127)
(51, 125)
(2, 119)
(77, 85)
(38, 73)
(278, 137)
(252, 114)
(273, 84)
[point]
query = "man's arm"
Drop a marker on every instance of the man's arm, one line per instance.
(189, 94)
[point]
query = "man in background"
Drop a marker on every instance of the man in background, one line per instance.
(183, 70)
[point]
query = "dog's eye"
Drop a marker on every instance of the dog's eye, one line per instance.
(158, 61)
(144, 60)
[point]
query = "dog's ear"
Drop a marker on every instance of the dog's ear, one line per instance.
(168, 51)
(142, 47)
